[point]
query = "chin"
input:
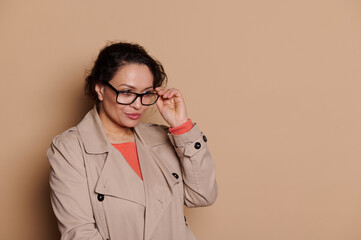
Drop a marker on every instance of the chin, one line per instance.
(129, 124)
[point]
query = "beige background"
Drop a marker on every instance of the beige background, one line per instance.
(275, 85)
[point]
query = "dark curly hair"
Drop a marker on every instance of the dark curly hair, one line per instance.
(115, 55)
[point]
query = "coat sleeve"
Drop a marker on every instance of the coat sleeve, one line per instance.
(69, 189)
(199, 174)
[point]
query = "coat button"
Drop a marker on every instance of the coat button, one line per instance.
(197, 145)
(175, 175)
(205, 138)
(100, 197)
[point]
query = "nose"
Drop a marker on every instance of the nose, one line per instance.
(137, 104)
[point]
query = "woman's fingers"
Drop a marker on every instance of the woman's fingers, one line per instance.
(171, 106)
(160, 90)
(159, 103)
(167, 93)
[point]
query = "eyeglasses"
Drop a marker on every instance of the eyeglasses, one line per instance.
(127, 97)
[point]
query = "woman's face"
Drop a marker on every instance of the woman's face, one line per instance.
(131, 77)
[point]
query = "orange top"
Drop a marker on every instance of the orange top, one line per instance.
(185, 127)
(129, 152)
(129, 149)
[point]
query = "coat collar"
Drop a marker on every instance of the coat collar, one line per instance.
(95, 140)
(92, 133)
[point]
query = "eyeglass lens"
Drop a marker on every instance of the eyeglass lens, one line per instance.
(128, 98)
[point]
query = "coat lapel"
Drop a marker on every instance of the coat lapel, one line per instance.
(157, 178)
(118, 179)
(115, 176)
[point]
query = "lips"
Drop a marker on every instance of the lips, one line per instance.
(133, 116)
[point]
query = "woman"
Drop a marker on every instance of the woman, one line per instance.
(113, 177)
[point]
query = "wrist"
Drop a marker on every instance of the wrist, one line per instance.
(178, 123)
(185, 127)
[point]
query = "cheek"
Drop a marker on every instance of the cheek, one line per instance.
(108, 98)
(110, 104)
(143, 109)
(120, 109)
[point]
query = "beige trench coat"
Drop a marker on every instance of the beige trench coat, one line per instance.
(96, 195)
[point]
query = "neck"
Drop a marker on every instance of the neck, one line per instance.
(115, 132)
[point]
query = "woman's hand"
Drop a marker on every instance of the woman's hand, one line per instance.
(171, 106)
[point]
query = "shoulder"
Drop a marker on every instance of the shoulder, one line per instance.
(66, 156)
(68, 137)
(66, 144)
(152, 133)
(153, 127)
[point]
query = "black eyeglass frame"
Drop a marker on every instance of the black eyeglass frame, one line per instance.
(138, 95)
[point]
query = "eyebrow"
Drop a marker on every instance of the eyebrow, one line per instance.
(130, 86)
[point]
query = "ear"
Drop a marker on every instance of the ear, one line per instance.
(99, 89)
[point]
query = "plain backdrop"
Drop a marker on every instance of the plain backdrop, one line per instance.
(275, 86)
